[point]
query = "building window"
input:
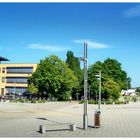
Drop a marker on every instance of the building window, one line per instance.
(17, 89)
(17, 80)
(3, 70)
(27, 70)
(3, 79)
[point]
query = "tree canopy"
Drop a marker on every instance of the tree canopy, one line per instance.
(54, 77)
(74, 64)
(32, 89)
(113, 78)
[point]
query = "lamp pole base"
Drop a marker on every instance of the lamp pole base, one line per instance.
(85, 122)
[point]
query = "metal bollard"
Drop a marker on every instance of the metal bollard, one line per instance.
(72, 127)
(42, 129)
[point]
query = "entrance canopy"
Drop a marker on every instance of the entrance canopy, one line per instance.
(3, 59)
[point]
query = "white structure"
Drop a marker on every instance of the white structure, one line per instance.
(129, 92)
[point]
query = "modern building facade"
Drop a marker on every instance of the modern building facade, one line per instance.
(13, 77)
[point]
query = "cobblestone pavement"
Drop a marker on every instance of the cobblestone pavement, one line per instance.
(23, 120)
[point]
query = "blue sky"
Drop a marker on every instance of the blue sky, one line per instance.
(32, 31)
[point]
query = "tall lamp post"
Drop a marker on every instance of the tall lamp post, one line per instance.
(99, 78)
(85, 115)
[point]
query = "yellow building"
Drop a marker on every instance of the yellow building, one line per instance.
(13, 77)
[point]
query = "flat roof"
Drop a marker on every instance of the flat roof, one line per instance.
(3, 59)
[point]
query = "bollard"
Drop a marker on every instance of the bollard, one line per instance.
(72, 127)
(42, 129)
(97, 119)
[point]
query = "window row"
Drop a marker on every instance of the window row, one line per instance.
(15, 89)
(27, 70)
(15, 79)
(19, 70)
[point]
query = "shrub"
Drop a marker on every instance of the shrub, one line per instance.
(109, 102)
(19, 100)
(33, 101)
(119, 102)
(91, 102)
(39, 101)
(42, 101)
(26, 100)
(81, 102)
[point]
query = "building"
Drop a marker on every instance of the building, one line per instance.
(13, 77)
(129, 92)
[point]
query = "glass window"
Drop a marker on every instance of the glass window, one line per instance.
(27, 70)
(16, 80)
(17, 89)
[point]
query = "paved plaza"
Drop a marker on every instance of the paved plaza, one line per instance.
(23, 120)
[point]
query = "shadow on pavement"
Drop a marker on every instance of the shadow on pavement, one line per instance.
(79, 127)
(42, 118)
(54, 130)
(57, 130)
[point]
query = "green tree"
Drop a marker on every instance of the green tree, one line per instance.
(54, 77)
(111, 89)
(114, 71)
(111, 72)
(32, 89)
(92, 80)
(74, 64)
(128, 82)
(138, 91)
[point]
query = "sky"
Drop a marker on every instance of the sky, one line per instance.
(32, 31)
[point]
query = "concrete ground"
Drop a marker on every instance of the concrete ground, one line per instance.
(23, 120)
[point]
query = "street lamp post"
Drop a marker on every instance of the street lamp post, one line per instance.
(99, 78)
(85, 116)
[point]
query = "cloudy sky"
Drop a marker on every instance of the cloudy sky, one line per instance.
(32, 31)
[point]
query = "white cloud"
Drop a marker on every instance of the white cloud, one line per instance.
(132, 12)
(50, 48)
(92, 44)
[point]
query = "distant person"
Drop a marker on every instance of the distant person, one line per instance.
(70, 98)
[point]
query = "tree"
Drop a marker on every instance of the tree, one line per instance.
(32, 89)
(74, 64)
(92, 80)
(138, 89)
(112, 73)
(54, 77)
(128, 82)
(111, 89)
